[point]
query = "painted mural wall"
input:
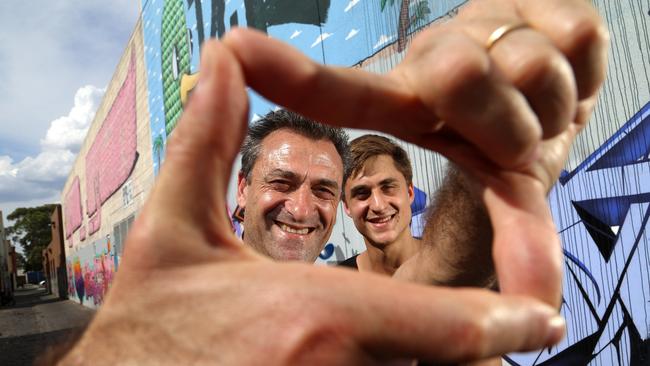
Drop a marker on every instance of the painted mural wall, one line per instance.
(109, 180)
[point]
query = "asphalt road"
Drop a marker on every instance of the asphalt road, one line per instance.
(36, 321)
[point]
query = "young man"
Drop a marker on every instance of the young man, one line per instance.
(378, 193)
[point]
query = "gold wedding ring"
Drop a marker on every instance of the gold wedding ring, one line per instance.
(501, 32)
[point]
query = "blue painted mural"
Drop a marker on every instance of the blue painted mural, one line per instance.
(601, 210)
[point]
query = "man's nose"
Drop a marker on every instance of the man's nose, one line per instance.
(300, 204)
(377, 201)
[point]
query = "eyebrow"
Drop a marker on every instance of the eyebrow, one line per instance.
(358, 188)
(289, 175)
(354, 190)
(388, 181)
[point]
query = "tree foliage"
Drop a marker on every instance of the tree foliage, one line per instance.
(32, 231)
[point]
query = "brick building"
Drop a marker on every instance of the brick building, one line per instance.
(7, 262)
(54, 264)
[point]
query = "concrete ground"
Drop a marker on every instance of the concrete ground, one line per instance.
(36, 321)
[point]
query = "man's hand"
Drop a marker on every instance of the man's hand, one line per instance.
(189, 292)
(507, 114)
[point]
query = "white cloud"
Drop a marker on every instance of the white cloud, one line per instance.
(295, 34)
(321, 38)
(47, 52)
(47, 167)
(68, 132)
(353, 32)
(383, 39)
(6, 167)
(351, 4)
(42, 176)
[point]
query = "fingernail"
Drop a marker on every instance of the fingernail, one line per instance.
(556, 330)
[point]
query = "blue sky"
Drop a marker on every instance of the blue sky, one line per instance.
(56, 58)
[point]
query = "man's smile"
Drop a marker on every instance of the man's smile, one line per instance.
(294, 229)
(377, 220)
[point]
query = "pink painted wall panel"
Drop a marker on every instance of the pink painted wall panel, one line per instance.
(113, 154)
(73, 211)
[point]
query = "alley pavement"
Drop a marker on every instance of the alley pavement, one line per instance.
(36, 321)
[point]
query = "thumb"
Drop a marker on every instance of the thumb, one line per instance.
(203, 147)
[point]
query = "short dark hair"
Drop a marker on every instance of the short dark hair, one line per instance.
(294, 122)
(367, 146)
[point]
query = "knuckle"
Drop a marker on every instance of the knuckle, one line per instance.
(459, 68)
(306, 333)
(586, 29)
(540, 66)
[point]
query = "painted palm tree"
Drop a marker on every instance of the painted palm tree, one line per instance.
(407, 17)
(158, 148)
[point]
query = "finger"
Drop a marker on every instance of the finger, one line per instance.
(442, 325)
(527, 59)
(188, 200)
(362, 100)
(573, 26)
(499, 122)
(542, 74)
(576, 29)
(454, 75)
(530, 61)
(204, 145)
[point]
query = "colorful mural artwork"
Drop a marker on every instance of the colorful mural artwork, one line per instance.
(337, 32)
(90, 272)
(602, 209)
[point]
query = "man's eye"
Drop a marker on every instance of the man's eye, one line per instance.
(280, 185)
(362, 196)
(389, 189)
(324, 193)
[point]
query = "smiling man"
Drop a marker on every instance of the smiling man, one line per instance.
(290, 185)
(378, 196)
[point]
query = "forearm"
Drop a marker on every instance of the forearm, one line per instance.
(457, 237)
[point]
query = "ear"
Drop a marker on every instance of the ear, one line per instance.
(411, 191)
(346, 208)
(242, 190)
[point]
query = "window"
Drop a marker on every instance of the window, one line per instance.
(127, 193)
(120, 232)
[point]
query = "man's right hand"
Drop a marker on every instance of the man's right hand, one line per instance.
(189, 292)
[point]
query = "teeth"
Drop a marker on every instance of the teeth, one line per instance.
(381, 220)
(291, 230)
